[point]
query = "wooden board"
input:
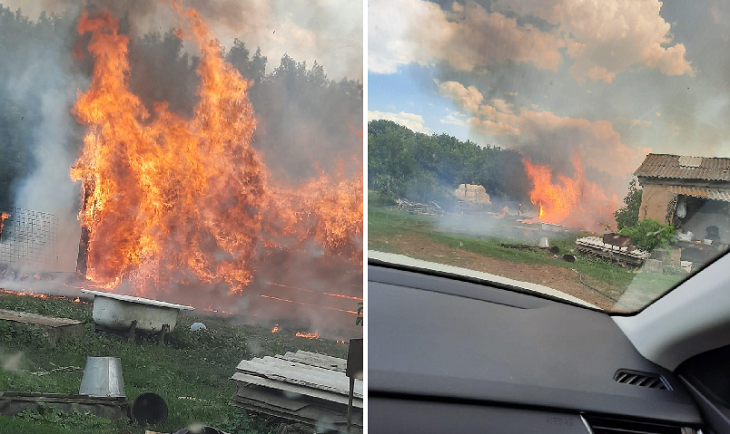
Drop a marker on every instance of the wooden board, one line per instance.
(12, 403)
(301, 374)
(314, 359)
(302, 387)
(35, 319)
(246, 379)
(54, 328)
(298, 410)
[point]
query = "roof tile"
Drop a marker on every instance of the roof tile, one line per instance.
(667, 166)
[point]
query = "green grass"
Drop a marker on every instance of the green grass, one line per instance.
(55, 422)
(193, 364)
(386, 226)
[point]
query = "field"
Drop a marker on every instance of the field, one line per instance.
(191, 373)
(460, 241)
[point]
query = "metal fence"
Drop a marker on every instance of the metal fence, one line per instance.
(29, 239)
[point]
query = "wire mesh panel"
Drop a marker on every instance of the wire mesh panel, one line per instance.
(29, 239)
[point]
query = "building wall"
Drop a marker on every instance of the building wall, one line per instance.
(654, 202)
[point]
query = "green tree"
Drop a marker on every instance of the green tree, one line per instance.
(629, 214)
(429, 167)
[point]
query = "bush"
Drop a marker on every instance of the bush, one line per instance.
(381, 198)
(649, 234)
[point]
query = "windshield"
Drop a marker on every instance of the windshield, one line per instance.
(551, 148)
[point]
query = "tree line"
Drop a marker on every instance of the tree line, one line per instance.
(425, 167)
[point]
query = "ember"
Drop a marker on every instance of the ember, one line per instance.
(314, 335)
(349, 297)
(270, 297)
(29, 293)
(275, 329)
(3, 216)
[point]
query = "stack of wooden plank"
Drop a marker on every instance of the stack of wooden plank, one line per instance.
(626, 255)
(301, 387)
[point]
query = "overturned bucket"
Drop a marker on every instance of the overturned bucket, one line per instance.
(102, 377)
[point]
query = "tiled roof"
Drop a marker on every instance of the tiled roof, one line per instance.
(702, 192)
(699, 168)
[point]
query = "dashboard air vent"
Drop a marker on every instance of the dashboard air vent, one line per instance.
(609, 425)
(642, 379)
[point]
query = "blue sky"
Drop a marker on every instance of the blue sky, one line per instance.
(414, 91)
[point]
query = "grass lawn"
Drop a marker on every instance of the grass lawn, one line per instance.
(389, 231)
(193, 365)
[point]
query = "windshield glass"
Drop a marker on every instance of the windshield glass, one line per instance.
(573, 151)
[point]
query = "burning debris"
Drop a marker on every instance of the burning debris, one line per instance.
(3, 216)
(305, 335)
(30, 293)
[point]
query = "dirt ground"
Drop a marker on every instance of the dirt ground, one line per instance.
(421, 247)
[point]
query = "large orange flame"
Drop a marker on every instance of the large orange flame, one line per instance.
(573, 201)
(173, 199)
(554, 200)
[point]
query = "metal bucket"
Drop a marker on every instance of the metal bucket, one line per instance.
(102, 377)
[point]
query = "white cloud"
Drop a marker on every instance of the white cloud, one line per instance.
(609, 37)
(466, 37)
(391, 38)
(605, 38)
(466, 97)
(449, 119)
(410, 120)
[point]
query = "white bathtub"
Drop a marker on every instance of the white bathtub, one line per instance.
(116, 311)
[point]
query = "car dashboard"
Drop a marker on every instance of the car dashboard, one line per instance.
(457, 355)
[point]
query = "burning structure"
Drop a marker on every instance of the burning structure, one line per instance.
(180, 205)
(693, 193)
(572, 201)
